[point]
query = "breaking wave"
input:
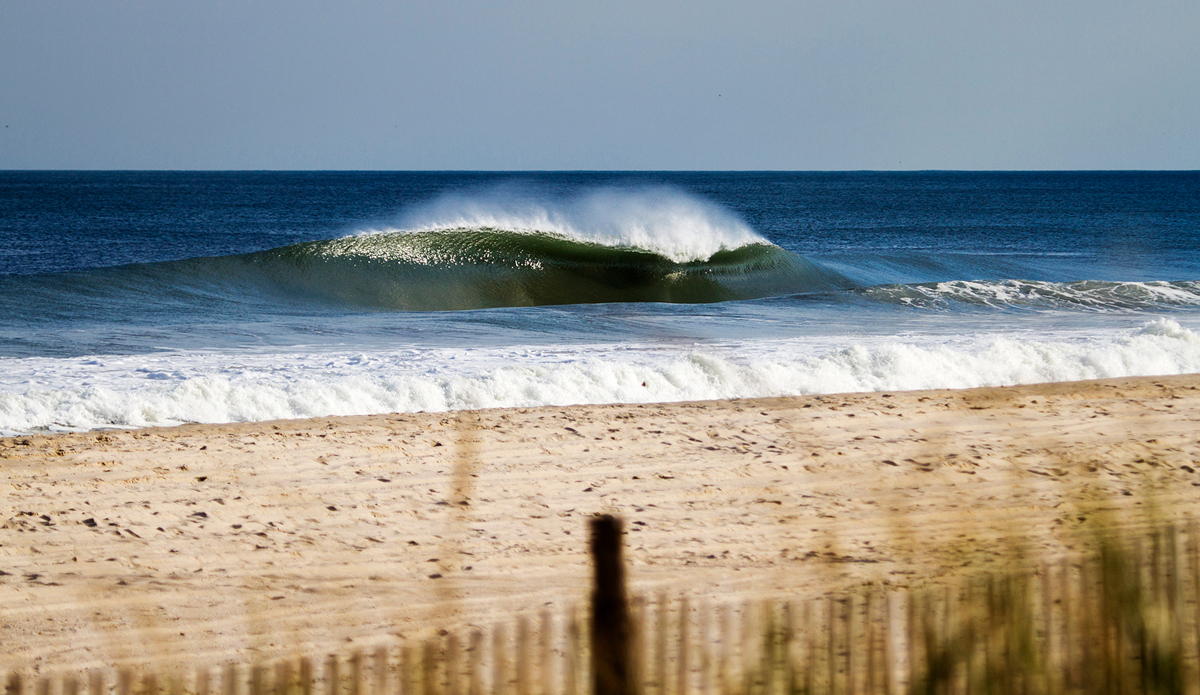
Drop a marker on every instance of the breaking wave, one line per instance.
(1084, 295)
(172, 388)
(482, 267)
(495, 250)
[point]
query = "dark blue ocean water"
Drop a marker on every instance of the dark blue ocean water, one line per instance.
(135, 298)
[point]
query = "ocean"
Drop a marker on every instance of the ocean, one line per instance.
(136, 299)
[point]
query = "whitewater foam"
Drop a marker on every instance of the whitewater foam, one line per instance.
(172, 388)
(1088, 295)
(662, 220)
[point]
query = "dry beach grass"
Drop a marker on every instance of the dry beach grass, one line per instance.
(205, 543)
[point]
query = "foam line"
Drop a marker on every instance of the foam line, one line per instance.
(44, 393)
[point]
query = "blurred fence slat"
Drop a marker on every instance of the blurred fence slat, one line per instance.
(1122, 621)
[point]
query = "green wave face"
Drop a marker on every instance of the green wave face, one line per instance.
(456, 269)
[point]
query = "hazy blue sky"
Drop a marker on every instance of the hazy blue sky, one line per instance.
(532, 84)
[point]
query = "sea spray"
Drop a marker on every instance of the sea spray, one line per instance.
(663, 220)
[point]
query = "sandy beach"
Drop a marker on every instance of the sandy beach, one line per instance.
(216, 542)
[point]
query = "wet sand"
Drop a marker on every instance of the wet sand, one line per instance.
(205, 543)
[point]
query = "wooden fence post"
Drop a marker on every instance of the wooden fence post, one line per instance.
(499, 661)
(333, 684)
(381, 670)
(571, 666)
(546, 654)
(746, 645)
(429, 668)
(356, 673)
(306, 675)
(229, 684)
(704, 649)
(612, 670)
(639, 643)
(726, 655)
(831, 644)
(475, 665)
(523, 656)
(660, 643)
(283, 677)
(788, 663)
(404, 677)
(683, 671)
(871, 683)
(451, 658)
(889, 651)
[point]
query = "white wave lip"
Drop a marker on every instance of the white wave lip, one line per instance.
(176, 388)
(665, 221)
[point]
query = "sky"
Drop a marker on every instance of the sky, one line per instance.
(621, 84)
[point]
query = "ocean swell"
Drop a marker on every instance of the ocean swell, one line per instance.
(485, 251)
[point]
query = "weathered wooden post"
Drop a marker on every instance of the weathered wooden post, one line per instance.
(612, 667)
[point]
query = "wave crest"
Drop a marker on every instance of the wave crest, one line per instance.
(661, 220)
